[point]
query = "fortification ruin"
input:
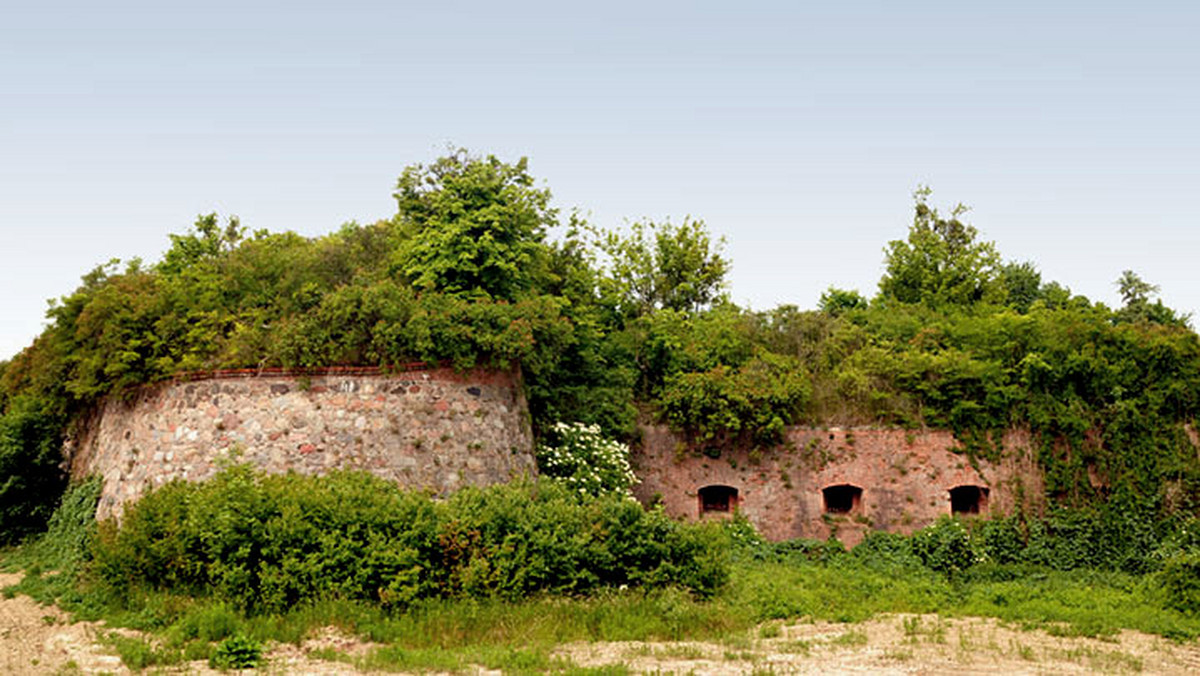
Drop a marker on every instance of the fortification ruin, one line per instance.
(425, 428)
(440, 430)
(842, 482)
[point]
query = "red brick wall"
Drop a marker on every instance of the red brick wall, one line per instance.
(905, 477)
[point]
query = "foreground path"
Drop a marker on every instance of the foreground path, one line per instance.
(41, 640)
(901, 644)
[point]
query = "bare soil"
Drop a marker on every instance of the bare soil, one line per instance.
(901, 644)
(37, 639)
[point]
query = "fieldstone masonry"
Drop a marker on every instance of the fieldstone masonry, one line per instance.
(904, 479)
(435, 429)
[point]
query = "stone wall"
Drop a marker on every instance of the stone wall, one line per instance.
(434, 429)
(904, 477)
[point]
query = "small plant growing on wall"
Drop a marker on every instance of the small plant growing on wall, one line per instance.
(579, 456)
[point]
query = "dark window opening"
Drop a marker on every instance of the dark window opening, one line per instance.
(968, 499)
(842, 499)
(718, 499)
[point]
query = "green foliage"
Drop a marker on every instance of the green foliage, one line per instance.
(55, 560)
(945, 547)
(1181, 583)
(465, 275)
(581, 458)
(940, 264)
(473, 226)
(838, 301)
(30, 479)
(663, 266)
(1022, 285)
(236, 652)
(266, 543)
(755, 401)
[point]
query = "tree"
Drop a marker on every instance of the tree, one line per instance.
(30, 478)
(1022, 285)
(941, 263)
(664, 266)
(1135, 292)
(206, 241)
(473, 226)
(836, 301)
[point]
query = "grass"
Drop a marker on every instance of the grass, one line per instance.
(453, 635)
(523, 636)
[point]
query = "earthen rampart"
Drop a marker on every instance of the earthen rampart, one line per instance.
(835, 481)
(436, 429)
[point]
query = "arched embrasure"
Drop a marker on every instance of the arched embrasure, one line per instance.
(718, 498)
(842, 499)
(968, 499)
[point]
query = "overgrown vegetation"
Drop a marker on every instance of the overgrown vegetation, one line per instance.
(266, 543)
(30, 477)
(476, 268)
(194, 608)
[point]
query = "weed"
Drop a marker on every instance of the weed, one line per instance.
(796, 647)
(852, 638)
(770, 630)
(1023, 651)
(236, 652)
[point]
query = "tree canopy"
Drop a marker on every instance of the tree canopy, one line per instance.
(941, 263)
(477, 269)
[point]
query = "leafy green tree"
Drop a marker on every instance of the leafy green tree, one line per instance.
(473, 226)
(1022, 285)
(1136, 294)
(30, 478)
(664, 266)
(837, 301)
(941, 263)
(1135, 291)
(207, 240)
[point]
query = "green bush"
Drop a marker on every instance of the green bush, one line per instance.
(1181, 582)
(30, 479)
(582, 459)
(236, 652)
(754, 402)
(944, 546)
(264, 543)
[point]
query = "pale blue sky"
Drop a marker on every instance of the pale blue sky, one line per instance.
(797, 130)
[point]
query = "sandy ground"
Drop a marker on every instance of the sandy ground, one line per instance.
(901, 644)
(36, 639)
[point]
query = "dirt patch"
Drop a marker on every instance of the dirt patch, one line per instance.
(900, 644)
(37, 639)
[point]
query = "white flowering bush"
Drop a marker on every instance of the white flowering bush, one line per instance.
(579, 456)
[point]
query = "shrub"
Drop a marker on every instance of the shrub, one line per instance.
(30, 479)
(236, 652)
(583, 460)
(1181, 582)
(945, 547)
(265, 543)
(755, 401)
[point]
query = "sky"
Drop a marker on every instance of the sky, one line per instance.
(796, 130)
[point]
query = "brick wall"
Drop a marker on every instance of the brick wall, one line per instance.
(905, 479)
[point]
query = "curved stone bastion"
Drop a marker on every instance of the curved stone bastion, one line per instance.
(435, 429)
